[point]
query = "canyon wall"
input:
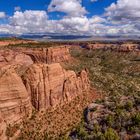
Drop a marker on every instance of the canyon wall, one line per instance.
(2, 128)
(51, 85)
(49, 55)
(43, 83)
(13, 58)
(14, 42)
(124, 47)
(14, 99)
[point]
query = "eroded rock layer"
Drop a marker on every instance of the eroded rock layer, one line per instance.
(51, 85)
(11, 58)
(31, 77)
(124, 47)
(49, 55)
(2, 128)
(14, 99)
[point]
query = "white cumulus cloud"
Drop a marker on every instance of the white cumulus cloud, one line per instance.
(120, 18)
(70, 7)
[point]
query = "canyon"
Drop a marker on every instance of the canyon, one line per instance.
(33, 79)
(44, 90)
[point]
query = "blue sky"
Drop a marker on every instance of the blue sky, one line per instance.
(80, 17)
(94, 8)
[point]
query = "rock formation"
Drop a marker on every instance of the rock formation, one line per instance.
(124, 47)
(100, 46)
(2, 128)
(12, 57)
(30, 77)
(51, 85)
(26, 56)
(49, 55)
(15, 41)
(129, 47)
(14, 99)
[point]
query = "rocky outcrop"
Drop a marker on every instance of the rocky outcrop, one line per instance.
(101, 46)
(12, 57)
(14, 99)
(124, 47)
(129, 47)
(14, 42)
(27, 56)
(31, 77)
(51, 85)
(49, 55)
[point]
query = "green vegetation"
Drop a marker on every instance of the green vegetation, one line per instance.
(117, 77)
(31, 45)
(111, 134)
(9, 39)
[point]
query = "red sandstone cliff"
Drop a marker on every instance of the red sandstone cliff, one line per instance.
(49, 55)
(14, 42)
(124, 47)
(51, 85)
(28, 56)
(41, 85)
(2, 128)
(11, 58)
(14, 99)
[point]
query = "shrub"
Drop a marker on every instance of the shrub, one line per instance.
(82, 133)
(111, 134)
(129, 105)
(110, 120)
(136, 119)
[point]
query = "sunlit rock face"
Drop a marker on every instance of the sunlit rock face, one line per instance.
(123, 47)
(2, 128)
(14, 99)
(51, 85)
(32, 78)
(49, 55)
(12, 58)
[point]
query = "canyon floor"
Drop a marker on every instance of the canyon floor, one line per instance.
(70, 90)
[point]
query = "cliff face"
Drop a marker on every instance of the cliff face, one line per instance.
(11, 57)
(125, 47)
(49, 55)
(28, 56)
(43, 84)
(51, 85)
(14, 99)
(14, 42)
(2, 128)
(129, 48)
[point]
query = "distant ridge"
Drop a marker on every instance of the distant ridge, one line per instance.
(58, 37)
